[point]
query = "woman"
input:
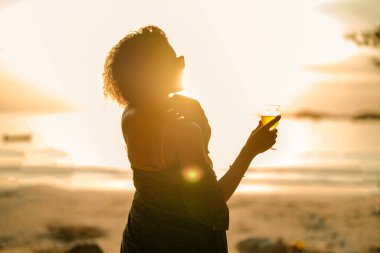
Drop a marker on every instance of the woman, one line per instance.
(179, 205)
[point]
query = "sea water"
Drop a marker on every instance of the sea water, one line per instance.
(87, 150)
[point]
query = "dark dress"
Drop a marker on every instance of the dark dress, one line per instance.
(170, 214)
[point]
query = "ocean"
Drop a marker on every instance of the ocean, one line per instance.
(86, 150)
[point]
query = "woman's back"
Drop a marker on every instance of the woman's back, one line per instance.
(169, 213)
(148, 137)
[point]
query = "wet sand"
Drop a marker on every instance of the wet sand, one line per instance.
(50, 219)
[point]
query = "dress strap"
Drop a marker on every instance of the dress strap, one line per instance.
(162, 148)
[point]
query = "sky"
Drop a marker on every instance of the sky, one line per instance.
(353, 14)
(239, 56)
(20, 97)
(353, 83)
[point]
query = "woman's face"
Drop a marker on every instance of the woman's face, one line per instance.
(162, 73)
(176, 71)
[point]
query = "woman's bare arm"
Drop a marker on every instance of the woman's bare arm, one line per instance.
(192, 154)
(260, 140)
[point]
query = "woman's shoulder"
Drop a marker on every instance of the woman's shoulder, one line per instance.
(186, 101)
(128, 115)
(137, 115)
(134, 119)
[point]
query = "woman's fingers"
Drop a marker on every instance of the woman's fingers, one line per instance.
(272, 122)
(273, 132)
(262, 138)
(269, 144)
(171, 113)
(272, 136)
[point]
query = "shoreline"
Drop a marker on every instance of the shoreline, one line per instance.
(243, 188)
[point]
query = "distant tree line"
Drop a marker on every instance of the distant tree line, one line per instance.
(369, 38)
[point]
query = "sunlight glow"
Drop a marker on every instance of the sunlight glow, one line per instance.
(59, 55)
(192, 174)
(258, 55)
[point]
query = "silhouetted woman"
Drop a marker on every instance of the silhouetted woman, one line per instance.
(179, 205)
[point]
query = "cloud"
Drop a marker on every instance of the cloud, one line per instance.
(5, 3)
(359, 64)
(339, 97)
(353, 14)
(16, 96)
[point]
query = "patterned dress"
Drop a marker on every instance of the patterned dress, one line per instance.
(170, 214)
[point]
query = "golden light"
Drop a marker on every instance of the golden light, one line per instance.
(299, 245)
(257, 56)
(192, 174)
(247, 58)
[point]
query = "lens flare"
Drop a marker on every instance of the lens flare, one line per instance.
(192, 174)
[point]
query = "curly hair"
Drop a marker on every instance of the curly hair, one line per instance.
(121, 59)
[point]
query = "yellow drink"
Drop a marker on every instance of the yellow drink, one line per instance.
(268, 113)
(267, 118)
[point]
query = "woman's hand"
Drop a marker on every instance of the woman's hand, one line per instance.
(172, 114)
(262, 138)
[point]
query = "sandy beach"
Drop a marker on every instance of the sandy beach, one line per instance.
(50, 219)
